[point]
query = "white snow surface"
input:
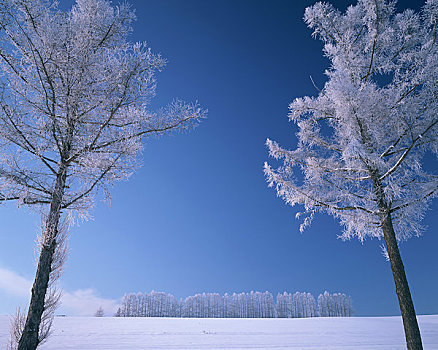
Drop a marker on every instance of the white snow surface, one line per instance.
(93, 333)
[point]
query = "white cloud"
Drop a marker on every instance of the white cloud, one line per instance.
(82, 302)
(14, 284)
(85, 302)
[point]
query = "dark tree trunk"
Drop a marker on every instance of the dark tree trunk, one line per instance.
(412, 332)
(410, 324)
(30, 337)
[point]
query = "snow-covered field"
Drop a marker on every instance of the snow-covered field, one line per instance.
(91, 333)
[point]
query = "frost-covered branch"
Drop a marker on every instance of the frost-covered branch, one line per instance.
(358, 127)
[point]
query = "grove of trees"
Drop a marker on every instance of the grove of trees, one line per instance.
(242, 305)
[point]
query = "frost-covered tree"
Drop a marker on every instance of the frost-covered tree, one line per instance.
(284, 307)
(74, 96)
(303, 305)
(99, 312)
(310, 306)
(334, 305)
(362, 140)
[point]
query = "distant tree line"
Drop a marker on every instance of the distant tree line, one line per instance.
(242, 305)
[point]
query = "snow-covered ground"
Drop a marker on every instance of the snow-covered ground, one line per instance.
(91, 333)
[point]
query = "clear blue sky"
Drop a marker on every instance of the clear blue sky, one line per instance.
(198, 216)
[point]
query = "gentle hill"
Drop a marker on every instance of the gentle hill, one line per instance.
(353, 333)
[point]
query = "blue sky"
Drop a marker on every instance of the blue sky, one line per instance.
(198, 216)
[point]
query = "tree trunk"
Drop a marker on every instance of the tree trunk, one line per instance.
(412, 332)
(410, 324)
(30, 337)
